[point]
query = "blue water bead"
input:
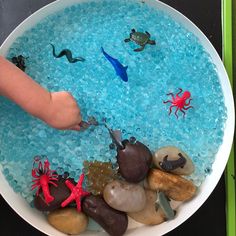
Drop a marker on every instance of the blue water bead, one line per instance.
(60, 170)
(42, 134)
(50, 149)
(6, 171)
(2, 158)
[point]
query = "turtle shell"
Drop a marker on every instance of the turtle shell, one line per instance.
(139, 38)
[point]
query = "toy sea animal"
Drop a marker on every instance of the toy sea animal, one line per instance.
(121, 70)
(164, 203)
(172, 165)
(133, 157)
(116, 137)
(174, 160)
(140, 38)
(86, 124)
(43, 177)
(77, 193)
(68, 54)
(98, 174)
(179, 102)
(19, 61)
(59, 192)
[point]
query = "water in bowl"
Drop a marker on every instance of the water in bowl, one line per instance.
(176, 61)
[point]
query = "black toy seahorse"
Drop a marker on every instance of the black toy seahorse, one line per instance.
(68, 54)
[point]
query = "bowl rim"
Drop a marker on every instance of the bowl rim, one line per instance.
(36, 218)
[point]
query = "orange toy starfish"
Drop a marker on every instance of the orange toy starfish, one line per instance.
(77, 193)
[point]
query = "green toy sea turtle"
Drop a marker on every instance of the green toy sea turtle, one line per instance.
(140, 38)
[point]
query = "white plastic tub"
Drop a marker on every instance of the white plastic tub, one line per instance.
(37, 219)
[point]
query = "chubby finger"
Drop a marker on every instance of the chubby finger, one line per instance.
(76, 127)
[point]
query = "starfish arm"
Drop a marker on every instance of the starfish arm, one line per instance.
(81, 179)
(69, 185)
(68, 200)
(78, 203)
(85, 193)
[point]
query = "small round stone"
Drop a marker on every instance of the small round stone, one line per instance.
(68, 221)
(172, 154)
(124, 196)
(150, 215)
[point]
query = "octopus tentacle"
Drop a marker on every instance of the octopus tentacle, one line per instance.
(167, 101)
(172, 95)
(180, 91)
(186, 108)
(176, 112)
(170, 110)
(188, 103)
(183, 112)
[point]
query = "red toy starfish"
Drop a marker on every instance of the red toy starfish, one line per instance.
(77, 193)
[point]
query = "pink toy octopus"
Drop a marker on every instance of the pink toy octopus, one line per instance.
(43, 177)
(180, 102)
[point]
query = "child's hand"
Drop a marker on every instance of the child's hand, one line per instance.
(58, 109)
(63, 112)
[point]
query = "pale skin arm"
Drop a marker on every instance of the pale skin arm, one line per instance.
(57, 109)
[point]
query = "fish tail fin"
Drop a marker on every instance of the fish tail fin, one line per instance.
(102, 49)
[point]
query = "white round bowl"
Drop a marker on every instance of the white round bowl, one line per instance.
(38, 220)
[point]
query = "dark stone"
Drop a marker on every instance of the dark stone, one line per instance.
(134, 161)
(114, 222)
(60, 193)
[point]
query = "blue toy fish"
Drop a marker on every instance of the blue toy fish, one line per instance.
(119, 68)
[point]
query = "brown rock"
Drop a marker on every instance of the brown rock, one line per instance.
(68, 221)
(174, 186)
(113, 222)
(134, 161)
(149, 215)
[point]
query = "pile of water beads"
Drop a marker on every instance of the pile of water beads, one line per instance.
(157, 207)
